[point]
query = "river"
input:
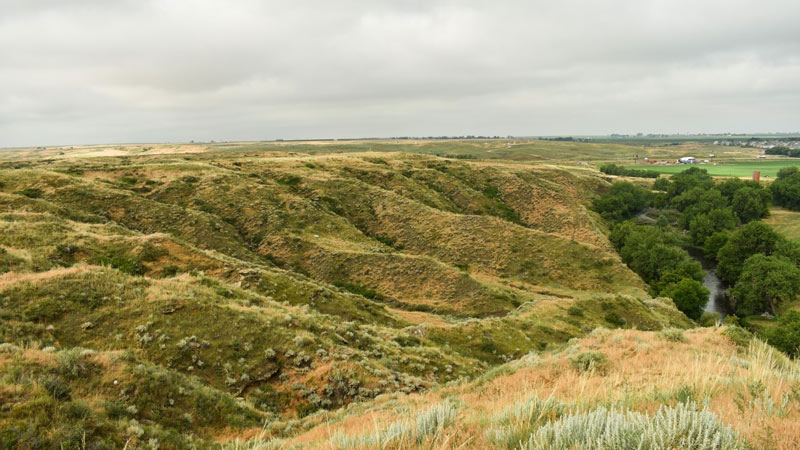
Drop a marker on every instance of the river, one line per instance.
(717, 300)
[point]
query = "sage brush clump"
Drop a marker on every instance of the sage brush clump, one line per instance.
(682, 427)
(427, 423)
(672, 334)
(591, 361)
(514, 424)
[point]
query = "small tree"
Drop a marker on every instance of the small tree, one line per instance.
(690, 297)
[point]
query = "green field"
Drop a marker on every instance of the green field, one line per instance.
(729, 169)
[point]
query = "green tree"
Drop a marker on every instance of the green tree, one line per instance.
(690, 296)
(785, 335)
(688, 179)
(704, 225)
(751, 203)
(661, 184)
(715, 242)
(730, 186)
(623, 201)
(786, 188)
(698, 201)
(755, 237)
(653, 252)
(765, 283)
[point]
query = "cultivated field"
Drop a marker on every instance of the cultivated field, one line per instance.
(524, 150)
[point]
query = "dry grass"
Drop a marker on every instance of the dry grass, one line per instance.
(756, 390)
(785, 222)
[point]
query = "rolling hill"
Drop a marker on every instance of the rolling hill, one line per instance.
(186, 299)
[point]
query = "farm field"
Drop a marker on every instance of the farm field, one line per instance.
(511, 149)
(728, 169)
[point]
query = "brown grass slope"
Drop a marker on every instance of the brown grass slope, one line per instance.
(753, 389)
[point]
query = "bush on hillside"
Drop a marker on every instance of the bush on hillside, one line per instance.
(591, 361)
(683, 426)
(738, 335)
(785, 335)
(672, 334)
(709, 319)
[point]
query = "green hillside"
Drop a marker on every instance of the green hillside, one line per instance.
(187, 299)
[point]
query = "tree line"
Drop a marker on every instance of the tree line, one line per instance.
(781, 150)
(720, 218)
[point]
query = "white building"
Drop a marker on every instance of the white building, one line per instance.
(687, 160)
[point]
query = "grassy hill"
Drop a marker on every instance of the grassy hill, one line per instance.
(184, 299)
(671, 389)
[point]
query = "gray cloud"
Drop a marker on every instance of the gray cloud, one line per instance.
(112, 71)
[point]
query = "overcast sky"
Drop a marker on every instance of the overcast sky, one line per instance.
(105, 71)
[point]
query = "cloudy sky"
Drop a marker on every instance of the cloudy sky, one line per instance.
(104, 71)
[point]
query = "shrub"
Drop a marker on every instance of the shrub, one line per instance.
(785, 336)
(614, 319)
(661, 184)
(130, 266)
(289, 180)
(709, 319)
(738, 335)
(575, 311)
(115, 409)
(516, 423)
(169, 271)
(31, 192)
(670, 428)
(672, 334)
(434, 419)
(71, 362)
(427, 423)
(57, 388)
(76, 410)
(591, 361)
